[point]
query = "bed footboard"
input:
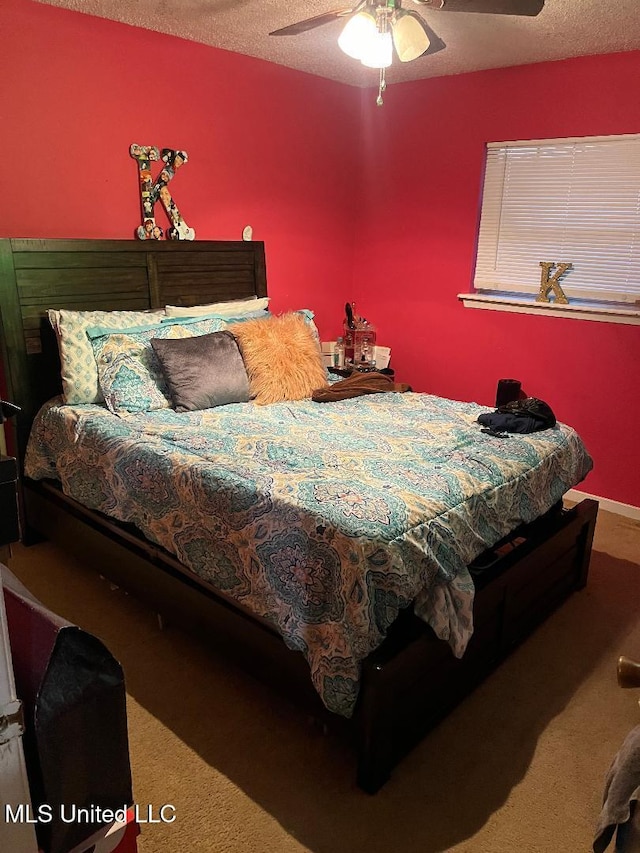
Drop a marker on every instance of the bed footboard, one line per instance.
(413, 680)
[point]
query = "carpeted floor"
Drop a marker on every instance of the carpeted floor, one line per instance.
(519, 766)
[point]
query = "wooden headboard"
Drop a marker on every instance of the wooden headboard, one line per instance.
(107, 275)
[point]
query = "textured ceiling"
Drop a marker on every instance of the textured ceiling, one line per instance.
(563, 29)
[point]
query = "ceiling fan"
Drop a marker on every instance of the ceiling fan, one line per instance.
(374, 28)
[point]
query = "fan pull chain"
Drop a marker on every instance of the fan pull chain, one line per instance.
(381, 87)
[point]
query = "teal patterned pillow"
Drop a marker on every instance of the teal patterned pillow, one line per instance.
(77, 363)
(228, 318)
(130, 375)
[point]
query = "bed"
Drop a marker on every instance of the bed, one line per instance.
(327, 558)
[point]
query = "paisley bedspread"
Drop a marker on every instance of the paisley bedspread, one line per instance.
(324, 519)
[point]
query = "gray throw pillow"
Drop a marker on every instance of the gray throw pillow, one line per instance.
(203, 372)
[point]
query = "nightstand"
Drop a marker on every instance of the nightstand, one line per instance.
(9, 518)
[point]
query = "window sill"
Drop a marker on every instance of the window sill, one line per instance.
(577, 311)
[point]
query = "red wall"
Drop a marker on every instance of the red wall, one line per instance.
(286, 152)
(267, 146)
(415, 250)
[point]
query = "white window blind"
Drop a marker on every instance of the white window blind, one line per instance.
(571, 201)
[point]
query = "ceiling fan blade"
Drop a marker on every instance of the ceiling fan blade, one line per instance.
(491, 7)
(312, 23)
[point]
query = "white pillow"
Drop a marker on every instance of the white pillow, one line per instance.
(235, 308)
(77, 361)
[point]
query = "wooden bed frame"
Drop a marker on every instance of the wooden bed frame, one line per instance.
(413, 679)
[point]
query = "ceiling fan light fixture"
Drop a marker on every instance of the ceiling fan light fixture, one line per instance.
(410, 38)
(359, 32)
(379, 52)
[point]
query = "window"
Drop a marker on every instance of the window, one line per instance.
(562, 201)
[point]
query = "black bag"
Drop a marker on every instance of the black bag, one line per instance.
(74, 701)
(530, 407)
(523, 416)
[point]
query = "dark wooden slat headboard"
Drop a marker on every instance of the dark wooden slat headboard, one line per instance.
(109, 275)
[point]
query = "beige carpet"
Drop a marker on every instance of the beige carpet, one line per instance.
(519, 766)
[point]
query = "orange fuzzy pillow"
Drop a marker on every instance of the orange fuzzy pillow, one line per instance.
(282, 357)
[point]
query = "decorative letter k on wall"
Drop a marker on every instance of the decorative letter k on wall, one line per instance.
(151, 192)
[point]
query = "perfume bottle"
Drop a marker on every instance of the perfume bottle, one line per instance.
(364, 345)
